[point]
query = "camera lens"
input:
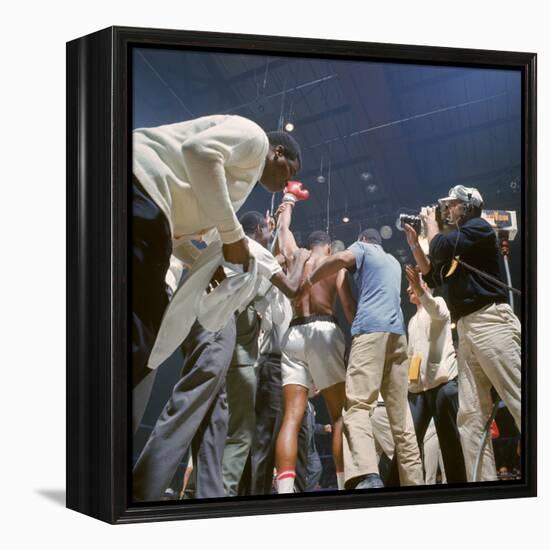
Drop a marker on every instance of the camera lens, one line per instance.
(413, 221)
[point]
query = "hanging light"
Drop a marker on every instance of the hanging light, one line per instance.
(366, 176)
(289, 126)
(345, 219)
(386, 232)
(320, 177)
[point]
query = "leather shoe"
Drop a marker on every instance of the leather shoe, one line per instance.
(371, 481)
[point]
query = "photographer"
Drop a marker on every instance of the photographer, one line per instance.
(489, 351)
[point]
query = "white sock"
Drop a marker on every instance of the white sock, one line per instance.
(341, 480)
(285, 481)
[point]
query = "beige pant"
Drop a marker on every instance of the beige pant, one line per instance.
(489, 354)
(432, 456)
(381, 430)
(383, 441)
(378, 364)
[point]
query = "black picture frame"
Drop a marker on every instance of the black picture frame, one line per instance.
(98, 171)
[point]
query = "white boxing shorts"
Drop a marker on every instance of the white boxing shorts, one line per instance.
(313, 353)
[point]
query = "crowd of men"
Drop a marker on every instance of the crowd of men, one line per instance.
(254, 315)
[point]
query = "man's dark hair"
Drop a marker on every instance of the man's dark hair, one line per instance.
(318, 238)
(292, 149)
(250, 221)
(371, 236)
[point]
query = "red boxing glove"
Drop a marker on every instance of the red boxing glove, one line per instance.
(294, 192)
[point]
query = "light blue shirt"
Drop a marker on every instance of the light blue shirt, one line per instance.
(378, 280)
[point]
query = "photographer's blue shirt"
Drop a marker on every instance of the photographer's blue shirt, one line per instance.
(378, 280)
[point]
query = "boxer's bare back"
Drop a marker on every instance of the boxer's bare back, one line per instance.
(321, 298)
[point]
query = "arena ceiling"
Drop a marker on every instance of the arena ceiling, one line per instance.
(377, 138)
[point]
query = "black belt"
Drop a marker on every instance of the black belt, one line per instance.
(312, 318)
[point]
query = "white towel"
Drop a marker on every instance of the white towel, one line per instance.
(274, 308)
(213, 310)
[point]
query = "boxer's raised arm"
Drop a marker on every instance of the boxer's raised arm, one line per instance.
(290, 284)
(285, 238)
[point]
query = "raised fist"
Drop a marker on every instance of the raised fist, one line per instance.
(294, 192)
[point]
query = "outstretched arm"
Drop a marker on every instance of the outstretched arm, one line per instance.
(421, 259)
(344, 294)
(285, 238)
(330, 266)
(436, 308)
(275, 250)
(290, 284)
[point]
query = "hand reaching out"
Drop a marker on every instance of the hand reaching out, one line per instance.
(414, 279)
(412, 236)
(270, 221)
(302, 255)
(282, 207)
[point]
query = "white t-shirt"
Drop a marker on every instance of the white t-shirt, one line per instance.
(267, 264)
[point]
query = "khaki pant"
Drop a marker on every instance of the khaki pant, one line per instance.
(489, 354)
(432, 456)
(378, 364)
(383, 439)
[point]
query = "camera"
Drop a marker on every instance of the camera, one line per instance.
(416, 221)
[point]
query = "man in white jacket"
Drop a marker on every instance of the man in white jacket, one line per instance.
(433, 390)
(189, 178)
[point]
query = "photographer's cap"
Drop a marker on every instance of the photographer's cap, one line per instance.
(465, 194)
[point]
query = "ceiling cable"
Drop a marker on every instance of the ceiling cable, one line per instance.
(168, 87)
(328, 195)
(407, 119)
(276, 94)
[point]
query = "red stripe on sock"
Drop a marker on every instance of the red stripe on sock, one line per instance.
(286, 474)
